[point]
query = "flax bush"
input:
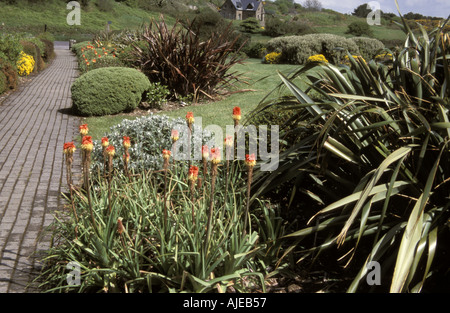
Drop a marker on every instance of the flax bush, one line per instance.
(370, 161)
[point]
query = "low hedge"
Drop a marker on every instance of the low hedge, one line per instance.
(10, 71)
(3, 82)
(368, 47)
(297, 49)
(108, 90)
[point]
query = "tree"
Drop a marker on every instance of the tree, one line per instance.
(312, 5)
(362, 10)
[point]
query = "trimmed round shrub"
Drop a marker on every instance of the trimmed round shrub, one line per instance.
(108, 90)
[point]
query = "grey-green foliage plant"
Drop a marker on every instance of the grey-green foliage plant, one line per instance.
(373, 156)
(149, 135)
(108, 90)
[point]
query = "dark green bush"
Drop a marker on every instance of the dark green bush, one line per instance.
(255, 50)
(249, 25)
(359, 29)
(108, 90)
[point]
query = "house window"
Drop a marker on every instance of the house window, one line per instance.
(239, 16)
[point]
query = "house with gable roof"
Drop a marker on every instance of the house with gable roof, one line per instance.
(242, 9)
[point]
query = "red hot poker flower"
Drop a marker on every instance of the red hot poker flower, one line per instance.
(69, 148)
(236, 113)
(110, 150)
(126, 142)
(84, 129)
(190, 117)
(105, 142)
(175, 135)
(250, 160)
(205, 152)
(229, 141)
(87, 144)
(166, 154)
(193, 173)
(215, 155)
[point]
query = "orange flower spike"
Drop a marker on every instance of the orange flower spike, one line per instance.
(87, 144)
(166, 154)
(190, 118)
(193, 173)
(126, 142)
(126, 158)
(110, 150)
(229, 141)
(93, 61)
(250, 160)
(205, 152)
(215, 155)
(84, 129)
(175, 135)
(236, 114)
(69, 148)
(105, 142)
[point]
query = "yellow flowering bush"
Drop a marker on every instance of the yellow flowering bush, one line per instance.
(25, 65)
(317, 58)
(272, 57)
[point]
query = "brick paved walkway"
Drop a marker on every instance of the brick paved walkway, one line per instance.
(33, 128)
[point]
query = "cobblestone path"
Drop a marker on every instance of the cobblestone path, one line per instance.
(34, 125)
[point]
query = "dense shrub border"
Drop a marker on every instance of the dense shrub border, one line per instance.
(297, 49)
(11, 48)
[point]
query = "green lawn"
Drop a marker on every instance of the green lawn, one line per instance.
(261, 78)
